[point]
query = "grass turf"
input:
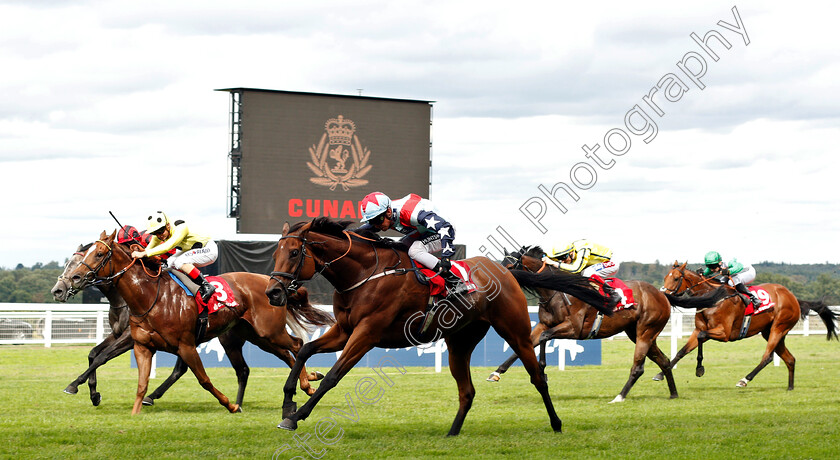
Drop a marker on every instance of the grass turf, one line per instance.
(711, 419)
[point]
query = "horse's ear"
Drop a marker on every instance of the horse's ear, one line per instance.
(103, 235)
(79, 249)
(286, 228)
(112, 236)
(676, 263)
(684, 264)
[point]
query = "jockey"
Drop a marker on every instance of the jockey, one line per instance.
(415, 217)
(191, 250)
(734, 273)
(586, 258)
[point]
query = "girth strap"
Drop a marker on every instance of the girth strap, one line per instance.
(596, 326)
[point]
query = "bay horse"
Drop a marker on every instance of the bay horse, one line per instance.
(720, 317)
(378, 303)
(562, 316)
(163, 316)
(119, 340)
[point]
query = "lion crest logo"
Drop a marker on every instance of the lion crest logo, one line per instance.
(338, 146)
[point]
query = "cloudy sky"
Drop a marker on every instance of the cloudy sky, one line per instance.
(109, 106)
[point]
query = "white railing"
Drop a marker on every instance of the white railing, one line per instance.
(49, 323)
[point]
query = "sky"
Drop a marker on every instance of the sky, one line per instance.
(110, 106)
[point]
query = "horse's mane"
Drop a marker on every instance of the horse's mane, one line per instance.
(532, 251)
(336, 228)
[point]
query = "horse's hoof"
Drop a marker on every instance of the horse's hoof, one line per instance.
(96, 398)
(494, 377)
(657, 378)
(236, 409)
(617, 399)
(742, 383)
(288, 424)
(289, 410)
(71, 390)
(147, 401)
(311, 391)
(700, 371)
(318, 375)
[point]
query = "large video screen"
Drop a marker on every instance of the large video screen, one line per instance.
(306, 155)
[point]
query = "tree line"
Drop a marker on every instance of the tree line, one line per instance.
(807, 281)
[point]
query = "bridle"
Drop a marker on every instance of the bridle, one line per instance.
(294, 278)
(516, 263)
(682, 278)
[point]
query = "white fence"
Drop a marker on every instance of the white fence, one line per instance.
(44, 323)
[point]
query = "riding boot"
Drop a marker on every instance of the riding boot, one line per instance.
(201, 327)
(744, 290)
(205, 289)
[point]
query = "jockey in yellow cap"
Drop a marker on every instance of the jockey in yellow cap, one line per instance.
(586, 258)
(191, 249)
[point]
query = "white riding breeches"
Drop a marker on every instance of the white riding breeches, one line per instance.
(747, 276)
(198, 257)
(603, 269)
(420, 251)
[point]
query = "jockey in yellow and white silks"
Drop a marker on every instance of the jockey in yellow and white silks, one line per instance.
(586, 258)
(192, 250)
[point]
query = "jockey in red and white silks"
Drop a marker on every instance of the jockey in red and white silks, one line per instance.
(415, 217)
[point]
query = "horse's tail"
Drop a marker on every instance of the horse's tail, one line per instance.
(302, 312)
(575, 285)
(827, 316)
(698, 302)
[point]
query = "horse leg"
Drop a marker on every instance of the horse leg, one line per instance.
(233, 349)
(116, 347)
(461, 345)
(511, 330)
(774, 339)
(689, 346)
(189, 354)
(334, 339)
(535, 340)
(177, 371)
(73, 388)
(658, 356)
(143, 355)
(356, 346)
(789, 360)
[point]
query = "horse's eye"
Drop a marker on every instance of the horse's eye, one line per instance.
(294, 252)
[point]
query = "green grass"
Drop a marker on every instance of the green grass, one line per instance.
(711, 419)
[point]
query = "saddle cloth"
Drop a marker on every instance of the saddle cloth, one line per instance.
(223, 297)
(766, 302)
(625, 292)
(436, 282)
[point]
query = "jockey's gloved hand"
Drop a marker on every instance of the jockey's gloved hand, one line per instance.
(444, 265)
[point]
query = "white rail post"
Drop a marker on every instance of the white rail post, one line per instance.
(48, 329)
(676, 332)
(806, 325)
(100, 326)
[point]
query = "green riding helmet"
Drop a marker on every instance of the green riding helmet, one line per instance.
(713, 258)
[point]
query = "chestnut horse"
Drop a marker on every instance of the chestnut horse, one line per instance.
(565, 317)
(378, 302)
(119, 340)
(163, 316)
(720, 317)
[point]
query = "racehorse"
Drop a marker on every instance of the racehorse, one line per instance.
(565, 317)
(163, 316)
(119, 340)
(378, 304)
(720, 317)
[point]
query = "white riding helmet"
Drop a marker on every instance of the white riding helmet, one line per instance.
(157, 221)
(373, 205)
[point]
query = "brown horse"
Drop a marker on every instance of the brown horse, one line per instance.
(119, 340)
(565, 317)
(720, 317)
(163, 316)
(377, 304)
